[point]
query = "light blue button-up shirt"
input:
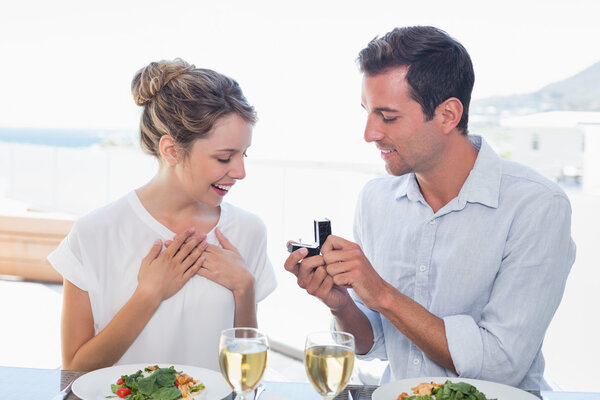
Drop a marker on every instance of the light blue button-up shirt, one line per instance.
(492, 263)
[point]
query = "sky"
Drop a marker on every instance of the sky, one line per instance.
(68, 64)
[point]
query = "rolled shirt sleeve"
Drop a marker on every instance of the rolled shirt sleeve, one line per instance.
(526, 293)
(377, 351)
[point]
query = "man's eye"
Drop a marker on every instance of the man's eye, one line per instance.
(388, 120)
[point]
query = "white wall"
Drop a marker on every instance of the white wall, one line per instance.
(558, 148)
(591, 179)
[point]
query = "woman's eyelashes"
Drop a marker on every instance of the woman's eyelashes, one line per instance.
(228, 159)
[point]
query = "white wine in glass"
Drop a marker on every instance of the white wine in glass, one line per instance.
(243, 358)
(329, 361)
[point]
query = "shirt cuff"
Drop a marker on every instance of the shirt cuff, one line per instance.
(465, 345)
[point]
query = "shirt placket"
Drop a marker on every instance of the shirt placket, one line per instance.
(422, 293)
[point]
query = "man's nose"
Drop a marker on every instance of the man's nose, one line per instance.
(372, 131)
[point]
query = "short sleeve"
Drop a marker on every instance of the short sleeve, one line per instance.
(257, 257)
(266, 283)
(66, 259)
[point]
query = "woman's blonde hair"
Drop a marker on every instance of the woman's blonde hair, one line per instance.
(184, 102)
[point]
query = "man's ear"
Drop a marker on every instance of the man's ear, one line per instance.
(451, 111)
(168, 150)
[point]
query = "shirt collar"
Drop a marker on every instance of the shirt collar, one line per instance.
(482, 184)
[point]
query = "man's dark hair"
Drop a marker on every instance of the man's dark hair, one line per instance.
(439, 67)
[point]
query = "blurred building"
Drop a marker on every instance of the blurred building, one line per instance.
(562, 145)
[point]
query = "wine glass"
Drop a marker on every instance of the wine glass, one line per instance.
(329, 360)
(243, 358)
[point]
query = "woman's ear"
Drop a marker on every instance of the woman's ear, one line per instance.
(451, 111)
(168, 150)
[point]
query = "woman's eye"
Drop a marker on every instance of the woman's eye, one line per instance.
(245, 154)
(223, 160)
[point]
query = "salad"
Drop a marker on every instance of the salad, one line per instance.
(445, 391)
(157, 384)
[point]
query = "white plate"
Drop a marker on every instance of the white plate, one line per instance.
(95, 385)
(492, 390)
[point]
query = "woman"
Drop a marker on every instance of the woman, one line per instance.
(156, 275)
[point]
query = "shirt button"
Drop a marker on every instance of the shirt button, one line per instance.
(423, 268)
(432, 222)
(416, 361)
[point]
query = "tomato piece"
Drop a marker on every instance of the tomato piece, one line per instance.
(120, 381)
(176, 383)
(123, 392)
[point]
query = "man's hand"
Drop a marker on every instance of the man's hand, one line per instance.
(312, 276)
(349, 267)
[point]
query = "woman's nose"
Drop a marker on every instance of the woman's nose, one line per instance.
(239, 169)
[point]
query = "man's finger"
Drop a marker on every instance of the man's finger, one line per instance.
(336, 256)
(337, 243)
(337, 268)
(342, 280)
(316, 281)
(292, 262)
(325, 287)
(307, 268)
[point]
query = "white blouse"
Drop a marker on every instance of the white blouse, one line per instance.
(102, 256)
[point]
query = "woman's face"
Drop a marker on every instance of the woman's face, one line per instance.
(214, 163)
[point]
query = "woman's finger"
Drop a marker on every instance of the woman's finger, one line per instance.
(212, 249)
(193, 270)
(224, 241)
(178, 240)
(186, 248)
(154, 251)
(194, 255)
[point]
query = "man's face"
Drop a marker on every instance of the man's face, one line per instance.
(396, 123)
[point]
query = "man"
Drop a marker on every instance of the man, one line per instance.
(461, 257)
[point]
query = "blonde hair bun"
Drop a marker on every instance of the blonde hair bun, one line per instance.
(150, 80)
(184, 102)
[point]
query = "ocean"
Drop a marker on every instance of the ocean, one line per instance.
(72, 138)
